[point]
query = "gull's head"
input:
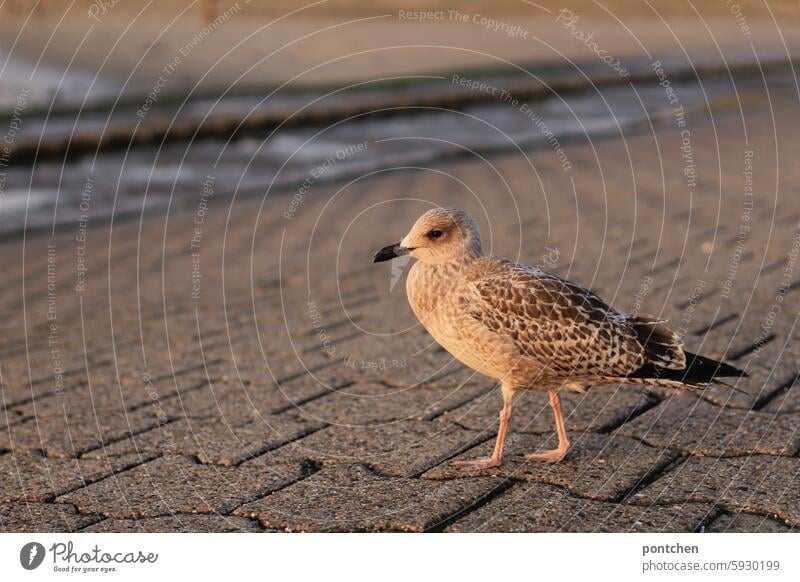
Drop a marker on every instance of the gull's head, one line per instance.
(438, 236)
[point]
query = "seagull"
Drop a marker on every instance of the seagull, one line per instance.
(532, 330)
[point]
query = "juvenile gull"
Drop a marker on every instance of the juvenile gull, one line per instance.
(531, 330)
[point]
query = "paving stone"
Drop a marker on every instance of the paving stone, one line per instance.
(31, 477)
(23, 389)
(599, 408)
(176, 485)
(169, 367)
(765, 379)
(397, 449)
(75, 432)
(182, 523)
(597, 466)
(430, 368)
(746, 523)
(287, 454)
(362, 404)
(536, 507)
(700, 428)
(286, 365)
(42, 518)
(788, 399)
(390, 346)
(9, 417)
(237, 402)
(213, 440)
(78, 398)
(106, 396)
(350, 498)
(759, 484)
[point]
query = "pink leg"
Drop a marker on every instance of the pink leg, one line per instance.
(560, 452)
(497, 455)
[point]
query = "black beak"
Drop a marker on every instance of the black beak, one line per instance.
(390, 252)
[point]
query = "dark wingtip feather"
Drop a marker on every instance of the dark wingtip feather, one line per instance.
(662, 347)
(698, 370)
(721, 369)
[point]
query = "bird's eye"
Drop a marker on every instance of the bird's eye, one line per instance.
(435, 233)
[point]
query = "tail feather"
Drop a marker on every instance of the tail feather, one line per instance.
(662, 346)
(719, 382)
(698, 371)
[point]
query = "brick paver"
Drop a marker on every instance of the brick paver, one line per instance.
(544, 508)
(176, 523)
(213, 442)
(31, 477)
(760, 484)
(176, 485)
(43, 517)
(597, 466)
(401, 449)
(353, 499)
(745, 523)
(699, 428)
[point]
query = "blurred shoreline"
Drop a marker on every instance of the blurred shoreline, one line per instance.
(293, 143)
(121, 124)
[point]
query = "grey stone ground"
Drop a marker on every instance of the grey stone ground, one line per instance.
(297, 392)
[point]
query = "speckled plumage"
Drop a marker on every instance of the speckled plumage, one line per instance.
(530, 329)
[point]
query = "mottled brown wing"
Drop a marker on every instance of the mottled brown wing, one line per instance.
(564, 328)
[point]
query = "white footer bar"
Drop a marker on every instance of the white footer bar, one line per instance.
(389, 557)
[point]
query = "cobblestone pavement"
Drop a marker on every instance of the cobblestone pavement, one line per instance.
(244, 367)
